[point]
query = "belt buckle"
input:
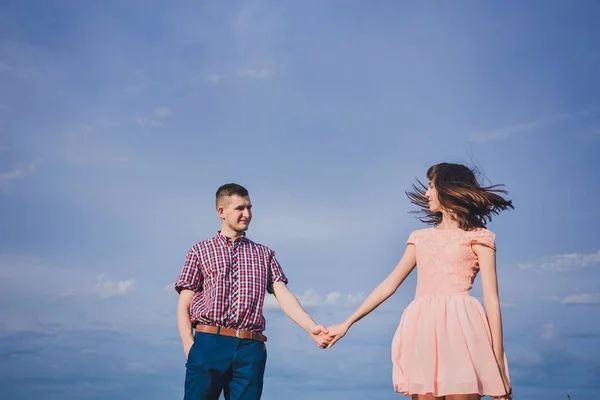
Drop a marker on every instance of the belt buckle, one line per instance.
(237, 334)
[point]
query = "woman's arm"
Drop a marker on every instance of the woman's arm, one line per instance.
(491, 300)
(381, 293)
(491, 303)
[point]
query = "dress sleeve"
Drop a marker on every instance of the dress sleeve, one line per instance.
(412, 239)
(484, 238)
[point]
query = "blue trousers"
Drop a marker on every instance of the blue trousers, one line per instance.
(225, 364)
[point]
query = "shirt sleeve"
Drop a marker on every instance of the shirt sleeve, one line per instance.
(191, 274)
(412, 238)
(484, 238)
(276, 273)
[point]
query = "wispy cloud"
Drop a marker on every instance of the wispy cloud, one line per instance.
(263, 73)
(103, 288)
(246, 73)
(570, 262)
(594, 131)
(526, 127)
(163, 112)
(548, 331)
(312, 298)
(215, 78)
(583, 298)
(159, 114)
(526, 265)
(18, 172)
(4, 67)
(565, 262)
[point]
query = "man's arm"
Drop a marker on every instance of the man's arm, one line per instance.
(188, 283)
(184, 324)
(290, 305)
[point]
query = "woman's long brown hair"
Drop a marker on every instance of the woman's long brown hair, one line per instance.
(460, 195)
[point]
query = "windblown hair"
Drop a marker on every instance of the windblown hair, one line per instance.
(230, 189)
(460, 195)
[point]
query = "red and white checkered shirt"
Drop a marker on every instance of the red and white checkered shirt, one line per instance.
(230, 279)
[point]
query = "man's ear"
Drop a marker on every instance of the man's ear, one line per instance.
(222, 204)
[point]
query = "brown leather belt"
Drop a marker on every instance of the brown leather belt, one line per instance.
(217, 330)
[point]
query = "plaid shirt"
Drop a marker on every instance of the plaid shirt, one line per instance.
(230, 279)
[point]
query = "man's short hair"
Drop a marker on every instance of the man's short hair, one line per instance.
(230, 189)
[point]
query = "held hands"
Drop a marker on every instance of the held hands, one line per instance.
(319, 333)
(336, 332)
(327, 337)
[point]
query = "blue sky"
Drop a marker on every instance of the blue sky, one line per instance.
(119, 119)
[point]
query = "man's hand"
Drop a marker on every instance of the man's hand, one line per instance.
(184, 324)
(336, 332)
(187, 345)
(318, 333)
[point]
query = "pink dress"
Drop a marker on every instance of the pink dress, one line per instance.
(443, 344)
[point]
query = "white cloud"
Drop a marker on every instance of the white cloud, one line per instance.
(524, 354)
(140, 82)
(163, 112)
(548, 331)
(526, 265)
(311, 298)
(105, 288)
(583, 298)
(263, 73)
(270, 302)
(170, 287)
(159, 114)
(215, 78)
(594, 130)
(74, 290)
(18, 172)
(570, 262)
(355, 299)
(504, 132)
(565, 262)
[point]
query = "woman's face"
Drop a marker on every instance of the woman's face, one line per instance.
(434, 201)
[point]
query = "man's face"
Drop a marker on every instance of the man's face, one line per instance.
(236, 212)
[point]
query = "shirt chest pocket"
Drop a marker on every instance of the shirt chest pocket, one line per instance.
(254, 269)
(216, 267)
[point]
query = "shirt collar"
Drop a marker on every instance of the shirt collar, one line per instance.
(225, 240)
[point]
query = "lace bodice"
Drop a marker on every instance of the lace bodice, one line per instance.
(446, 262)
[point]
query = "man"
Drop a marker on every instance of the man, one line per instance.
(221, 293)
